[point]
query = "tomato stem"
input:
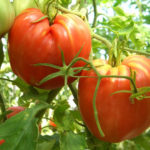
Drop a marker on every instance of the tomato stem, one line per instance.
(64, 10)
(51, 95)
(95, 109)
(74, 92)
(136, 51)
(3, 109)
(110, 60)
(102, 39)
(109, 45)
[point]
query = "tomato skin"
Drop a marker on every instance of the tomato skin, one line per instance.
(118, 117)
(32, 43)
(51, 123)
(15, 110)
(7, 16)
(2, 141)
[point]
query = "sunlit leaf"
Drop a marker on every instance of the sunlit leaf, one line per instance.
(71, 141)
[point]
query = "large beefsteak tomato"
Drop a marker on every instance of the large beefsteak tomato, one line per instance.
(120, 119)
(32, 43)
(7, 16)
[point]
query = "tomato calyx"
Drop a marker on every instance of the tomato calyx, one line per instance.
(51, 8)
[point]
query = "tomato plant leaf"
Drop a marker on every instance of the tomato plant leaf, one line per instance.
(72, 141)
(119, 11)
(48, 142)
(20, 132)
(51, 76)
(60, 114)
(128, 29)
(48, 65)
(143, 141)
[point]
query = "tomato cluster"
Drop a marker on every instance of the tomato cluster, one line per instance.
(34, 40)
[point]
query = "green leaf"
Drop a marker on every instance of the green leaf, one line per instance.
(65, 3)
(20, 132)
(143, 142)
(48, 142)
(48, 65)
(119, 11)
(60, 114)
(72, 141)
(21, 84)
(51, 76)
(127, 30)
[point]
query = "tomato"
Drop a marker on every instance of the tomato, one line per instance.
(7, 16)
(32, 43)
(120, 119)
(20, 5)
(15, 110)
(51, 123)
(2, 141)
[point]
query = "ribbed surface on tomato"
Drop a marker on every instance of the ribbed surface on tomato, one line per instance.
(119, 118)
(32, 43)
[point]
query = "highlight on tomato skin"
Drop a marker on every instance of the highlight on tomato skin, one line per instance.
(120, 119)
(2, 141)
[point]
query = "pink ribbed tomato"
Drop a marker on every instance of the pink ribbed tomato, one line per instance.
(120, 119)
(32, 43)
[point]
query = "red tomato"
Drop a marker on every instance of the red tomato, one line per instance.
(15, 110)
(2, 141)
(32, 43)
(52, 124)
(119, 118)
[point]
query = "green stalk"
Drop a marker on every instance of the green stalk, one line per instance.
(74, 92)
(51, 95)
(95, 13)
(2, 105)
(62, 9)
(103, 40)
(95, 109)
(136, 51)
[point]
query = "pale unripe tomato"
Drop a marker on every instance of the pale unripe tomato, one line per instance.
(7, 16)
(20, 5)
